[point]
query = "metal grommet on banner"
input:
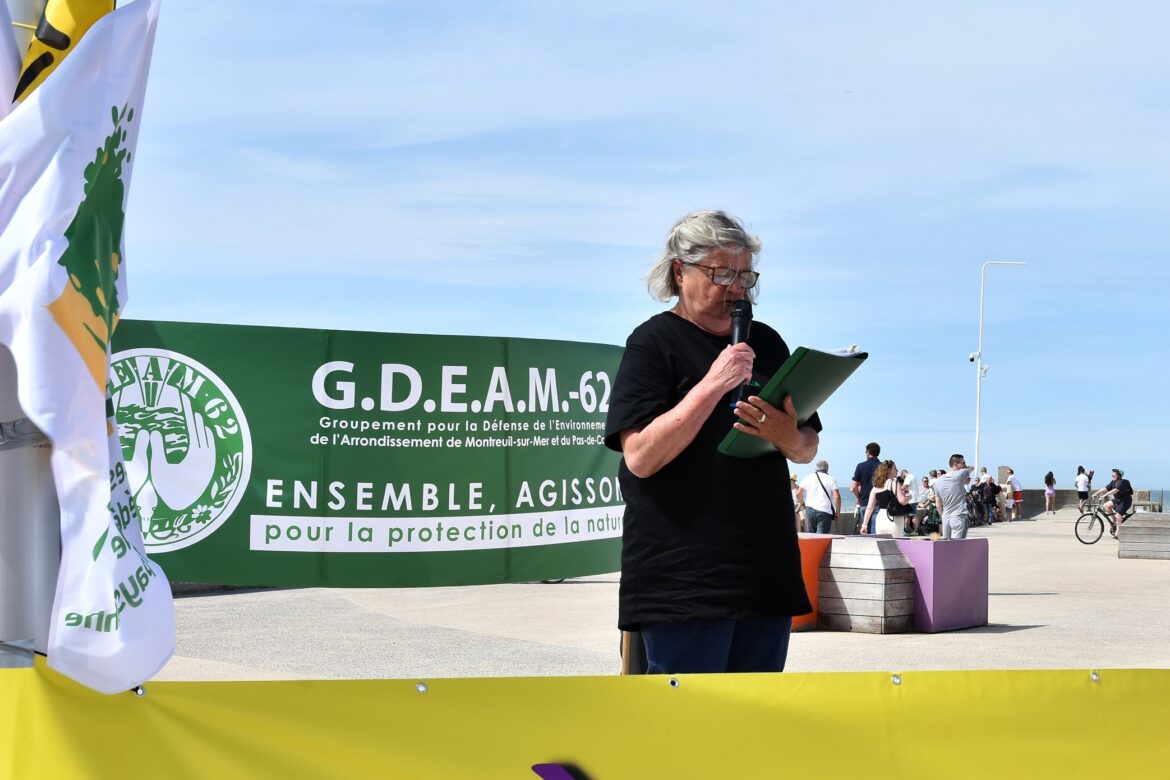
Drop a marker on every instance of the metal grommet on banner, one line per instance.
(421, 687)
(138, 691)
(1095, 676)
(673, 682)
(896, 679)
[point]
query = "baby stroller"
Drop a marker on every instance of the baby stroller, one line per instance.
(976, 512)
(931, 522)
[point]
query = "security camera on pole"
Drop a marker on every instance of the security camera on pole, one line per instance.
(977, 356)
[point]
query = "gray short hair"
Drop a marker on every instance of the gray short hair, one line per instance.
(691, 238)
(823, 465)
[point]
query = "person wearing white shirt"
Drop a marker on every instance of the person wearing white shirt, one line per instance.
(1082, 484)
(1017, 493)
(913, 489)
(822, 499)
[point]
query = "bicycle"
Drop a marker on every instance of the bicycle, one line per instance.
(1090, 525)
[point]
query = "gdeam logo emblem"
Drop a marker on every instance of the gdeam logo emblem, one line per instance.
(186, 444)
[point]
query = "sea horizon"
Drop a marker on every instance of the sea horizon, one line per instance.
(848, 502)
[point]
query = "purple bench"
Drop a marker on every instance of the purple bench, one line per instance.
(955, 597)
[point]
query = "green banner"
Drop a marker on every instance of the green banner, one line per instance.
(294, 457)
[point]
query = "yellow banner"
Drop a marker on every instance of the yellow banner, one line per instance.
(1035, 724)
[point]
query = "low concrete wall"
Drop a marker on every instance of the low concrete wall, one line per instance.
(1067, 499)
(1034, 501)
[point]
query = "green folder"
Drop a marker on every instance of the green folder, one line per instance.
(810, 377)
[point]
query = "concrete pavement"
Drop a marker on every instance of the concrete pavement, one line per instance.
(1054, 604)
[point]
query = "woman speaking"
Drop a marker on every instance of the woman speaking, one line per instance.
(710, 563)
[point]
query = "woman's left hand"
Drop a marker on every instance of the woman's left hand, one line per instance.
(777, 425)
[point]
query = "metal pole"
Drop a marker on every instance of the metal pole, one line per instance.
(980, 366)
(30, 528)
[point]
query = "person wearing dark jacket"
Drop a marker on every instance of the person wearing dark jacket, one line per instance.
(988, 491)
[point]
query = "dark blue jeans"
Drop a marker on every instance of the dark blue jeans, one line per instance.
(819, 522)
(717, 646)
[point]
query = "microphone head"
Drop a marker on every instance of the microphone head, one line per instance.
(741, 321)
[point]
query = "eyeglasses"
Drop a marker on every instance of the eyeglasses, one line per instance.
(724, 276)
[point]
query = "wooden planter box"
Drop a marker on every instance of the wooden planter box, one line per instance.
(866, 584)
(950, 590)
(1145, 535)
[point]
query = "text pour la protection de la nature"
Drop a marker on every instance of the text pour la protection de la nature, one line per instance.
(599, 516)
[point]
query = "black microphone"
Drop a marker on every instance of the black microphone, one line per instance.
(741, 325)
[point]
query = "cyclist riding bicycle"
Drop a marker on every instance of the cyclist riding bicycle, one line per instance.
(1121, 500)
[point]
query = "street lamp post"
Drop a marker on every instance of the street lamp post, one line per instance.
(977, 356)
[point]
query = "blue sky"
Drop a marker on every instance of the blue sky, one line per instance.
(510, 168)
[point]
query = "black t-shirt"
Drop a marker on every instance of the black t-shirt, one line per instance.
(708, 537)
(988, 491)
(864, 474)
(1124, 494)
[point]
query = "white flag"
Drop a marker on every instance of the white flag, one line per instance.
(66, 154)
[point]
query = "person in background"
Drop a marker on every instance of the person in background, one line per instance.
(951, 499)
(886, 489)
(925, 501)
(1081, 481)
(797, 503)
(911, 485)
(710, 564)
(976, 510)
(1050, 493)
(1017, 494)
(863, 483)
(1009, 503)
(988, 490)
(822, 499)
(1120, 494)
